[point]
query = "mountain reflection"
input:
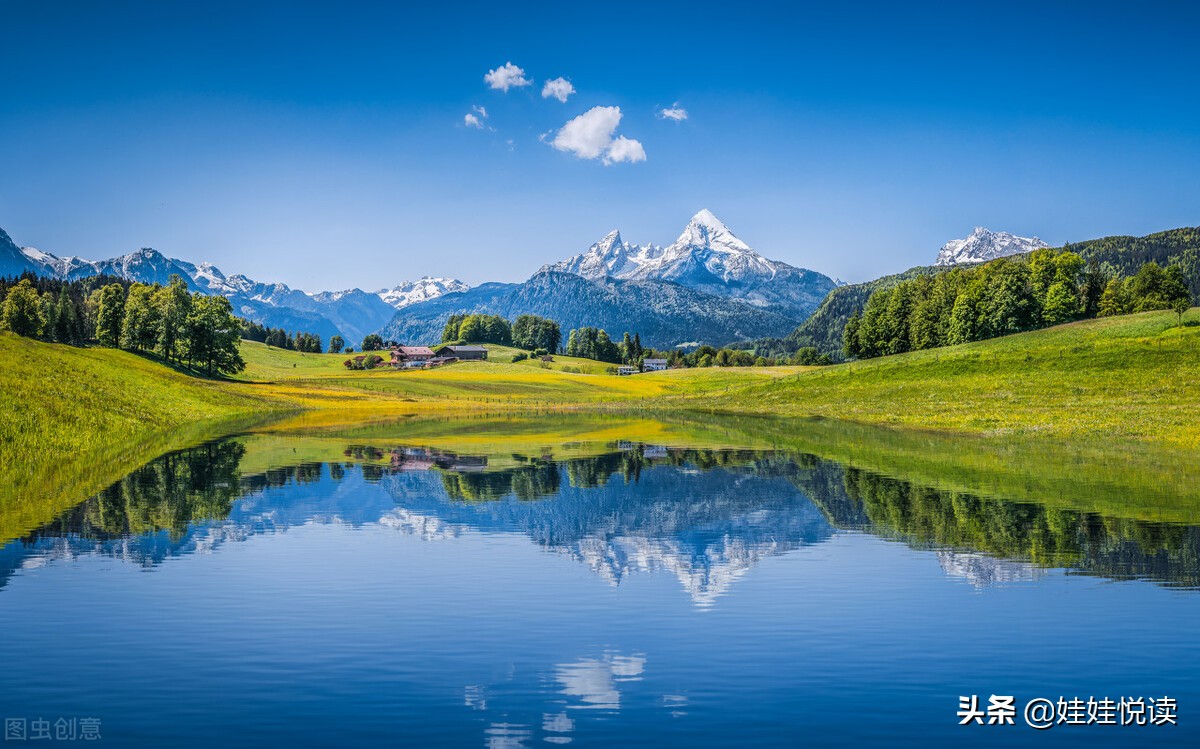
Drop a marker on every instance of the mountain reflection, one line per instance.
(705, 516)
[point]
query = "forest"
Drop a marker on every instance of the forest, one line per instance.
(185, 328)
(1005, 296)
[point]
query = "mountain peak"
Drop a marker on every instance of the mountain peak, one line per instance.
(982, 245)
(708, 218)
(707, 231)
(610, 240)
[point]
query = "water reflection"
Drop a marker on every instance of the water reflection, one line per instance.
(595, 682)
(707, 517)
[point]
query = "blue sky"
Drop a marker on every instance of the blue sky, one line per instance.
(325, 145)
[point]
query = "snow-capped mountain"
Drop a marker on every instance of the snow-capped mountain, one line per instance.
(707, 257)
(351, 313)
(421, 290)
(983, 245)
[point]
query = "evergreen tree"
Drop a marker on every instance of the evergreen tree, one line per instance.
(68, 327)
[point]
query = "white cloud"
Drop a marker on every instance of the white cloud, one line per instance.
(588, 135)
(505, 77)
(591, 136)
(624, 149)
(673, 112)
(475, 119)
(559, 88)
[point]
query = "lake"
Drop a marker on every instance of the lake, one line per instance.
(517, 583)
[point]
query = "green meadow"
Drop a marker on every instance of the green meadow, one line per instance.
(1130, 378)
(1043, 410)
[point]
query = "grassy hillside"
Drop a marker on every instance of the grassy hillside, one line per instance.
(1130, 377)
(73, 418)
(1117, 256)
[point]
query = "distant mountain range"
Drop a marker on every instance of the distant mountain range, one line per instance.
(663, 313)
(982, 245)
(706, 287)
(706, 257)
(352, 313)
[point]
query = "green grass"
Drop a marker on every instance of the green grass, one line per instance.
(74, 419)
(1123, 378)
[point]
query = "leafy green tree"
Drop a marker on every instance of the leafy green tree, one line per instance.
(1175, 289)
(593, 343)
(1115, 299)
(110, 314)
(372, 342)
(627, 352)
(496, 330)
(451, 330)
(531, 332)
(1043, 269)
(471, 329)
(336, 344)
(1180, 306)
(965, 316)
(1146, 288)
(23, 310)
(212, 333)
(1062, 304)
(1010, 307)
(174, 302)
(850, 345)
(811, 356)
(139, 332)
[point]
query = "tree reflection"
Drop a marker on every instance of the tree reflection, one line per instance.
(707, 515)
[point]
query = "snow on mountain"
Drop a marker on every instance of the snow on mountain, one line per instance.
(352, 313)
(983, 245)
(707, 257)
(421, 290)
(611, 257)
(13, 262)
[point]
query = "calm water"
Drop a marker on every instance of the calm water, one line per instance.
(639, 595)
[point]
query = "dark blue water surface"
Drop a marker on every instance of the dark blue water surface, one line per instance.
(641, 597)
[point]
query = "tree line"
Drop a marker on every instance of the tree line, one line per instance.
(187, 328)
(529, 332)
(1004, 296)
(279, 338)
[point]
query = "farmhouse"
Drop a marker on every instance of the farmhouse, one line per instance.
(409, 354)
(654, 365)
(626, 370)
(465, 353)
